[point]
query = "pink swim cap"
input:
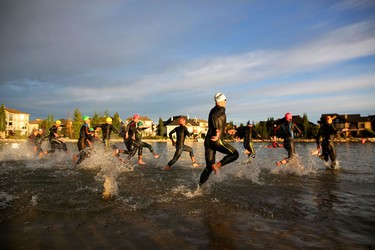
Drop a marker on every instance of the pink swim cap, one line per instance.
(288, 116)
(136, 116)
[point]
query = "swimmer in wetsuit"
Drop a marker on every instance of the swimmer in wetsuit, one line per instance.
(214, 140)
(53, 138)
(287, 127)
(133, 139)
(107, 129)
(35, 141)
(327, 131)
(248, 140)
(181, 132)
(84, 139)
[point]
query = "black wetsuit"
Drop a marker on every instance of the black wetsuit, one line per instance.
(287, 134)
(181, 133)
(140, 144)
(216, 121)
(106, 133)
(327, 132)
(82, 143)
(131, 129)
(35, 142)
(248, 140)
(55, 143)
(136, 144)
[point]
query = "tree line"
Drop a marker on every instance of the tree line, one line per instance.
(73, 124)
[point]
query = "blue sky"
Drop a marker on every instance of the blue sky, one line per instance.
(164, 58)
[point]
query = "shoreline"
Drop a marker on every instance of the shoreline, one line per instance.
(338, 140)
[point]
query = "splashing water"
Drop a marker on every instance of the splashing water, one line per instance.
(290, 207)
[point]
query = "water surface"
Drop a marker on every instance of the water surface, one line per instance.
(49, 203)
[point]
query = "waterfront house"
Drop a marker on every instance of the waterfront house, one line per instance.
(147, 122)
(354, 122)
(196, 126)
(16, 121)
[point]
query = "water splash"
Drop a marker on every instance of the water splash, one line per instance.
(110, 168)
(5, 199)
(34, 200)
(188, 192)
(295, 166)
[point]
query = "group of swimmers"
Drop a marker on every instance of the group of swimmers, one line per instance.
(214, 140)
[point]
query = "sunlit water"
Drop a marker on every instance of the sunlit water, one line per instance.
(50, 204)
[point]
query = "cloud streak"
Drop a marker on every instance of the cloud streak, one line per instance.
(103, 57)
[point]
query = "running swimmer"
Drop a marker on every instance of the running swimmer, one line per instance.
(84, 139)
(181, 132)
(214, 139)
(287, 132)
(248, 140)
(139, 144)
(35, 141)
(327, 131)
(53, 138)
(107, 129)
(133, 139)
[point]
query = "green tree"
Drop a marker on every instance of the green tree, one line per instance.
(270, 125)
(116, 123)
(368, 133)
(77, 123)
(161, 127)
(2, 118)
(261, 129)
(47, 123)
(106, 114)
(116, 120)
(306, 130)
(95, 119)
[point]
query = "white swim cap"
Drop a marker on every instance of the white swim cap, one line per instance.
(220, 97)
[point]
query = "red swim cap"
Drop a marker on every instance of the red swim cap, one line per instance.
(136, 116)
(288, 116)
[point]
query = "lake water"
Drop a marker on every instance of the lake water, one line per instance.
(50, 204)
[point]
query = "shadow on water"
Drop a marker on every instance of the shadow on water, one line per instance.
(250, 205)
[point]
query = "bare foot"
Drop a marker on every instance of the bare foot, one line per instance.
(156, 156)
(279, 163)
(116, 152)
(141, 163)
(75, 158)
(215, 167)
(195, 164)
(167, 168)
(315, 152)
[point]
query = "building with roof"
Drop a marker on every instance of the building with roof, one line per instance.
(16, 121)
(196, 126)
(354, 122)
(147, 122)
(34, 124)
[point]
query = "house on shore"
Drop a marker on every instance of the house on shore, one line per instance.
(16, 121)
(196, 126)
(34, 124)
(354, 122)
(147, 122)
